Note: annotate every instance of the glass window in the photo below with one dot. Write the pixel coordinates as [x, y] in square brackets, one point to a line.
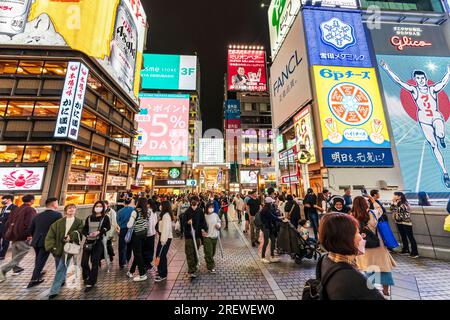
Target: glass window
[81, 158]
[91, 198]
[3, 104]
[46, 109]
[10, 154]
[97, 161]
[75, 198]
[102, 127]
[37, 154]
[88, 119]
[20, 108]
[8, 66]
[30, 67]
[114, 165]
[248, 107]
[123, 168]
[55, 68]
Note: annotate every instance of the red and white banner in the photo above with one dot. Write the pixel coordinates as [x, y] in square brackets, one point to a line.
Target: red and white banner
[247, 70]
[21, 179]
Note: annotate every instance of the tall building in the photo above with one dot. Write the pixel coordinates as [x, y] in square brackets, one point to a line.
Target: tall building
[66, 115]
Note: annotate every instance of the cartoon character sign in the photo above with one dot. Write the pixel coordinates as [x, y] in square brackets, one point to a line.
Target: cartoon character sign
[20, 179]
[417, 98]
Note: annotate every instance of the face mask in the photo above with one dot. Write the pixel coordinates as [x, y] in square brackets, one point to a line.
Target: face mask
[308, 225]
[4, 202]
[362, 247]
[210, 210]
[98, 210]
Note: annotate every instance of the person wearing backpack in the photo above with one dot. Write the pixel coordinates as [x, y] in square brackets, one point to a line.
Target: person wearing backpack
[95, 228]
[16, 231]
[139, 223]
[376, 262]
[337, 276]
[63, 231]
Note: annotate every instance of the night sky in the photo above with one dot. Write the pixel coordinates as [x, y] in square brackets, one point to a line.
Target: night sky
[206, 27]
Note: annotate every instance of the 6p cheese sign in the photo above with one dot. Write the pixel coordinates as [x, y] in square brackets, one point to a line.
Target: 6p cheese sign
[350, 107]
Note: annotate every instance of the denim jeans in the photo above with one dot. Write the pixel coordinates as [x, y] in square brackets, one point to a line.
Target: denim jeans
[124, 248]
[314, 219]
[61, 272]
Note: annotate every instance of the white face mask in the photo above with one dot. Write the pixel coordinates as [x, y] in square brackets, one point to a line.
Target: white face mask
[98, 210]
[210, 210]
[362, 247]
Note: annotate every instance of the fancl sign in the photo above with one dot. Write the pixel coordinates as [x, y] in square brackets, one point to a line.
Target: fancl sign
[282, 14]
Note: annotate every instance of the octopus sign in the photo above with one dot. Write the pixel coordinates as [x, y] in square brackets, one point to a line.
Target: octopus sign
[21, 179]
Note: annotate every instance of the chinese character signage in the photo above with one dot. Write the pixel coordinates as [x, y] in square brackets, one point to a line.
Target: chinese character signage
[352, 4]
[21, 179]
[163, 127]
[304, 132]
[72, 101]
[111, 32]
[410, 39]
[357, 157]
[290, 82]
[336, 38]
[417, 91]
[350, 107]
[232, 114]
[169, 72]
[282, 14]
[247, 70]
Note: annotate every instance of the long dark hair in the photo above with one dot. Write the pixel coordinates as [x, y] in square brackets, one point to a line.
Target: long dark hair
[95, 204]
[402, 198]
[423, 199]
[209, 205]
[142, 204]
[166, 208]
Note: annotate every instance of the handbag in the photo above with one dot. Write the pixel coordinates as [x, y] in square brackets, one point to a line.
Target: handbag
[88, 246]
[447, 224]
[386, 233]
[372, 240]
[73, 248]
[130, 231]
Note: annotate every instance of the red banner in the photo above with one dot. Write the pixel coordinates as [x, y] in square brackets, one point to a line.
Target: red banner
[247, 70]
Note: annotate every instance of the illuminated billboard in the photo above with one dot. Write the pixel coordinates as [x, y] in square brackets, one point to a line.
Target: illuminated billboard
[21, 179]
[169, 72]
[111, 31]
[247, 70]
[249, 177]
[212, 151]
[304, 132]
[163, 127]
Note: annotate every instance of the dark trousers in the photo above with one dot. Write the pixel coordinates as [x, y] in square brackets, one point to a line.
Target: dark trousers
[268, 235]
[148, 251]
[138, 260]
[239, 213]
[314, 219]
[124, 248]
[406, 232]
[41, 257]
[162, 251]
[221, 214]
[90, 273]
[4, 245]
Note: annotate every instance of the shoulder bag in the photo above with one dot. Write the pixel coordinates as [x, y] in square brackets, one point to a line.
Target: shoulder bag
[372, 240]
[72, 248]
[88, 246]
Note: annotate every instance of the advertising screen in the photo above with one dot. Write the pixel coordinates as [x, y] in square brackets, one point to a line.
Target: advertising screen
[247, 70]
[336, 38]
[163, 127]
[417, 91]
[169, 72]
[111, 31]
[249, 177]
[333, 3]
[211, 151]
[233, 114]
[350, 107]
[304, 133]
[290, 83]
[21, 179]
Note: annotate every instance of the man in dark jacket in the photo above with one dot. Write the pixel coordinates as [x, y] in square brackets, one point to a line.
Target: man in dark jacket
[39, 229]
[7, 207]
[17, 232]
[193, 218]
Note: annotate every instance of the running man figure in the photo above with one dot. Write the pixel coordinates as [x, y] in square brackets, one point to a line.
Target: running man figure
[430, 118]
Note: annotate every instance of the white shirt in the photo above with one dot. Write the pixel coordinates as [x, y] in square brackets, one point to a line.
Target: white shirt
[165, 228]
[69, 223]
[212, 221]
[152, 221]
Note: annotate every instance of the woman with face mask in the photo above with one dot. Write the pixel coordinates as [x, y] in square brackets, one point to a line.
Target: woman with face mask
[166, 218]
[95, 228]
[339, 235]
[210, 237]
[376, 262]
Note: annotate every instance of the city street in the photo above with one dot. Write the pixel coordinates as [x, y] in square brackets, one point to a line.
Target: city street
[240, 276]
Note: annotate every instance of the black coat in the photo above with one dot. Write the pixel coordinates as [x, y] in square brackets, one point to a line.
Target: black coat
[40, 225]
[270, 219]
[4, 215]
[295, 215]
[198, 222]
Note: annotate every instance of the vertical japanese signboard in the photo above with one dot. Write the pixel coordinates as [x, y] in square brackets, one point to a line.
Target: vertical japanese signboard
[72, 101]
[247, 70]
[232, 114]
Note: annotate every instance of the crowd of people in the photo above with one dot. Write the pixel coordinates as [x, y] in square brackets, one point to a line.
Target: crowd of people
[344, 226]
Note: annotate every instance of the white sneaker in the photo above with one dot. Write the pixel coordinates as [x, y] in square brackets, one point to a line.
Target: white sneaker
[140, 278]
[273, 259]
[264, 260]
[130, 275]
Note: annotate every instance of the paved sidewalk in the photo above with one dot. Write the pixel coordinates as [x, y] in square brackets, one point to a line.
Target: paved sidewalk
[240, 275]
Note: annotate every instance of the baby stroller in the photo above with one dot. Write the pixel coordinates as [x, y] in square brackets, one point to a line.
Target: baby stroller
[291, 242]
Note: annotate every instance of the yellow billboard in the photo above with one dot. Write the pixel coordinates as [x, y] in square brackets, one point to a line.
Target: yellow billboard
[350, 107]
[111, 31]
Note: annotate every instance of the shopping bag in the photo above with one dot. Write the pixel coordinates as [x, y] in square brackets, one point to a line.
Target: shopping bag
[447, 224]
[385, 231]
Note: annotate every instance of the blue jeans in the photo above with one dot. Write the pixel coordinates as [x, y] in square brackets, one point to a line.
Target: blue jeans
[124, 248]
[314, 219]
[60, 275]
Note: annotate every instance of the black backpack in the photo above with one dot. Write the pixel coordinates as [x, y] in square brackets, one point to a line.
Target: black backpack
[315, 288]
